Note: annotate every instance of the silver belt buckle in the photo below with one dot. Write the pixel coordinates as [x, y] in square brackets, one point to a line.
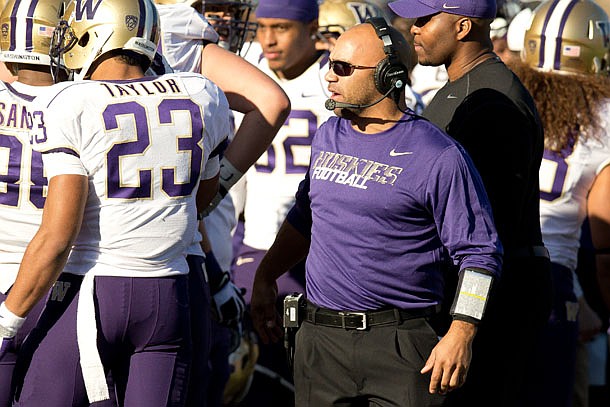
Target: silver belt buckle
[360, 314]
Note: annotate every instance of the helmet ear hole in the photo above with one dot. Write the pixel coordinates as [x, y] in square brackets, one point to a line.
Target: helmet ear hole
[84, 40]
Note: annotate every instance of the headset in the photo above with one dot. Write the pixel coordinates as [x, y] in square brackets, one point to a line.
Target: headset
[390, 74]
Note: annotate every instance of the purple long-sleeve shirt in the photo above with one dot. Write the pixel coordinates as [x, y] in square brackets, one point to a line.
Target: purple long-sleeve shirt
[385, 211]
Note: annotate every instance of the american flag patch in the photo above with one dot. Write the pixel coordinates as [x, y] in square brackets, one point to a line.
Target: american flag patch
[571, 51]
[46, 31]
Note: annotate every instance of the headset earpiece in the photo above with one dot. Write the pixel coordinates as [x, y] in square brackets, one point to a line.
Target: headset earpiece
[390, 72]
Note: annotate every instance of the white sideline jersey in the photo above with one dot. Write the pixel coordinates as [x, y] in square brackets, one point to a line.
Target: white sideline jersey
[183, 30]
[22, 180]
[273, 181]
[565, 181]
[144, 145]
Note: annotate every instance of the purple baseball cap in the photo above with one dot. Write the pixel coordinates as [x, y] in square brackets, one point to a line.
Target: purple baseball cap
[299, 10]
[422, 8]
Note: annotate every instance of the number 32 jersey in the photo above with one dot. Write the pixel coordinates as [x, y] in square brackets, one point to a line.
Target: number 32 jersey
[144, 145]
[272, 182]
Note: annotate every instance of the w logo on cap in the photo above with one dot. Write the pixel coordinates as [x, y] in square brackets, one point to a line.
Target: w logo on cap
[131, 22]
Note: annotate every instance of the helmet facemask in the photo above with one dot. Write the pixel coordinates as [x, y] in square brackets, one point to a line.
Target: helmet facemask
[231, 20]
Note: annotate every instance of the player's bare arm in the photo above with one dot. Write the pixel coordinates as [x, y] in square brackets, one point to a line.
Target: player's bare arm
[249, 91]
[48, 251]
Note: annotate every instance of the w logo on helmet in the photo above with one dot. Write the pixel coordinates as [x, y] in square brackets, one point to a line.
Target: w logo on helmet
[363, 11]
[86, 7]
[131, 22]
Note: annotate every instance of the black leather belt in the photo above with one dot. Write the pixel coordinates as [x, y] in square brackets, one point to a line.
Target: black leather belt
[364, 320]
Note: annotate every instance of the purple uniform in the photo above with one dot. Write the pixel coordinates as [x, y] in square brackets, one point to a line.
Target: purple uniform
[386, 212]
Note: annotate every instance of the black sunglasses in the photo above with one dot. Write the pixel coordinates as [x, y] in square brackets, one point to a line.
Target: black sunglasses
[342, 68]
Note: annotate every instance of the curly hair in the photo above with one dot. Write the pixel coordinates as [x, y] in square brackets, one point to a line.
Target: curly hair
[567, 104]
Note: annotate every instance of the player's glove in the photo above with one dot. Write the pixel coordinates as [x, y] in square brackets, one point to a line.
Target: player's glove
[229, 175]
[9, 325]
[228, 303]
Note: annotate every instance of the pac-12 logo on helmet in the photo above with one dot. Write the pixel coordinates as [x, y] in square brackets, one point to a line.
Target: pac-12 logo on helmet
[570, 36]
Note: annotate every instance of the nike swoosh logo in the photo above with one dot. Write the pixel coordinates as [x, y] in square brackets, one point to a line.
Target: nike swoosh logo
[306, 95]
[394, 153]
[243, 260]
[446, 7]
[451, 97]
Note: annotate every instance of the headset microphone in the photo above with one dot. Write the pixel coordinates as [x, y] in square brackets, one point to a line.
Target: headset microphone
[332, 104]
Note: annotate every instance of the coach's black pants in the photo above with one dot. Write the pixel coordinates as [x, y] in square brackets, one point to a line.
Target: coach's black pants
[376, 367]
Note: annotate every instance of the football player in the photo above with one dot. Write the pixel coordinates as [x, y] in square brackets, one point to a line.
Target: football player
[130, 165]
[565, 55]
[189, 44]
[27, 28]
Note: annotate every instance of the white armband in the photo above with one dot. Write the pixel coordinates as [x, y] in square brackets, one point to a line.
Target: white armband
[9, 321]
[471, 295]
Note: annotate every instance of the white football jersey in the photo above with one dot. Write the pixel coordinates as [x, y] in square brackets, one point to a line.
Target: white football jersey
[427, 80]
[22, 180]
[144, 145]
[565, 181]
[252, 52]
[183, 30]
[273, 181]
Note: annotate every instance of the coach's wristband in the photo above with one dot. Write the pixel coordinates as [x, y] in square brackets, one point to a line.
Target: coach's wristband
[9, 321]
[471, 295]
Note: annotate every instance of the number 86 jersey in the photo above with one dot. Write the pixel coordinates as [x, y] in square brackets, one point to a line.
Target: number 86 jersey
[144, 145]
[22, 180]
